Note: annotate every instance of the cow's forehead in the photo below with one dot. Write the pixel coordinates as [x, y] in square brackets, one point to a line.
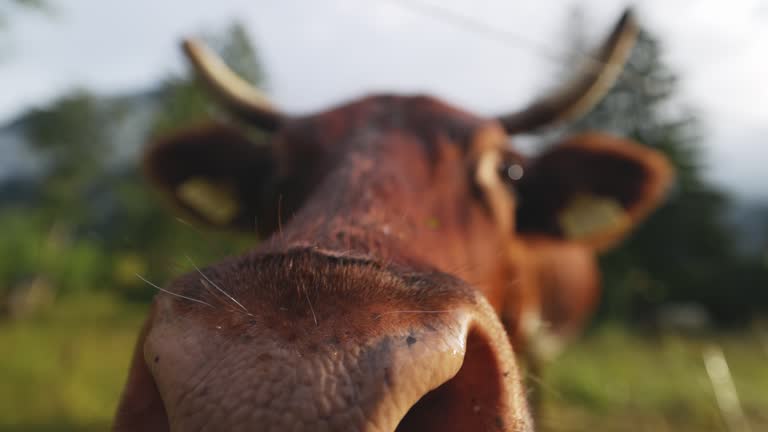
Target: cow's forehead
[428, 106]
[423, 116]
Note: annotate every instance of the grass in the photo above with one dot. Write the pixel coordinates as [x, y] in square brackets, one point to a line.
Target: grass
[63, 371]
[615, 380]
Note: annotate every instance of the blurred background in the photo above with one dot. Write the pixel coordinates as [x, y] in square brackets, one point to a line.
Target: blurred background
[680, 341]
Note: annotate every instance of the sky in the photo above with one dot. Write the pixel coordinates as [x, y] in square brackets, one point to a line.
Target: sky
[321, 53]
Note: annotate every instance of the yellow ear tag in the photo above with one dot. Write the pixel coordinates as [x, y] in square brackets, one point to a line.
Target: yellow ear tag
[215, 201]
[590, 216]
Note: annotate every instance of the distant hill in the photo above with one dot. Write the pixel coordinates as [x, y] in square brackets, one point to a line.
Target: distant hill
[18, 161]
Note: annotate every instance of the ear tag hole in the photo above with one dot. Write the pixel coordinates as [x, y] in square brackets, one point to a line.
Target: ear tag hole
[590, 215]
[216, 201]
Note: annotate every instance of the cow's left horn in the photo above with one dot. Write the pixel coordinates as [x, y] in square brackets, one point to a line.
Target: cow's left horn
[577, 96]
[240, 96]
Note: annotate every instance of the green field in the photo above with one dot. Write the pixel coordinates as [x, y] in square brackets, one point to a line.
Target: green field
[62, 370]
[617, 381]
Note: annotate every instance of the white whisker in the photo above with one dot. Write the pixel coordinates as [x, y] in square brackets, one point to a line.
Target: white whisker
[216, 286]
[310, 306]
[173, 293]
[210, 290]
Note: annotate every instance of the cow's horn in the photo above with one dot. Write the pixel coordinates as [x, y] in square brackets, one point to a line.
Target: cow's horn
[240, 96]
[586, 89]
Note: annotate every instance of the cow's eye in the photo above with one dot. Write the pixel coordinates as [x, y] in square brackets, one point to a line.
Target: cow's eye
[511, 172]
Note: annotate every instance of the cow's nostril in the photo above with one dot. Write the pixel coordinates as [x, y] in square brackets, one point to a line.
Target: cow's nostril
[470, 401]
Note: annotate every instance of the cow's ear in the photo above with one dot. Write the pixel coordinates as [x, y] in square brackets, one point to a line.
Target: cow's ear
[591, 188]
[214, 174]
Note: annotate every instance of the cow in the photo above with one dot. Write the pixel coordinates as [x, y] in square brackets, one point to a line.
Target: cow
[392, 283]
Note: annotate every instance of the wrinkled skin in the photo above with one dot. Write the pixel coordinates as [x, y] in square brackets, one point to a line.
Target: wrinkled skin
[376, 301]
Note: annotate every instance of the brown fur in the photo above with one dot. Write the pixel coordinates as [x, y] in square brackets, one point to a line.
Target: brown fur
[386, 246]
[568, 281]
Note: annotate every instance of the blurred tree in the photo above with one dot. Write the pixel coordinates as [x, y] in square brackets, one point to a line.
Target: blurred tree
[12, 7]
[108, 226]
[30, 3]
[73, 135]
[684, 250]
[240, 53]
[15, 5]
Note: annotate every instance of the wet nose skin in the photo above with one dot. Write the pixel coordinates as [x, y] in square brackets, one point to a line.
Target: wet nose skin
[446, 371]
[402, 354]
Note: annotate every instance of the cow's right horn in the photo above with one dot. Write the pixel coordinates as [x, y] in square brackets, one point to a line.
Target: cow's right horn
[238, 95]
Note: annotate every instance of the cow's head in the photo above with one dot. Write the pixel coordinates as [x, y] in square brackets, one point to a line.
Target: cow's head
[390, 250]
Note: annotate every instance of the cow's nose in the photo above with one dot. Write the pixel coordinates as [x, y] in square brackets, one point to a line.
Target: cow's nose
[475, 388]
[348, 348]
[408, 370]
